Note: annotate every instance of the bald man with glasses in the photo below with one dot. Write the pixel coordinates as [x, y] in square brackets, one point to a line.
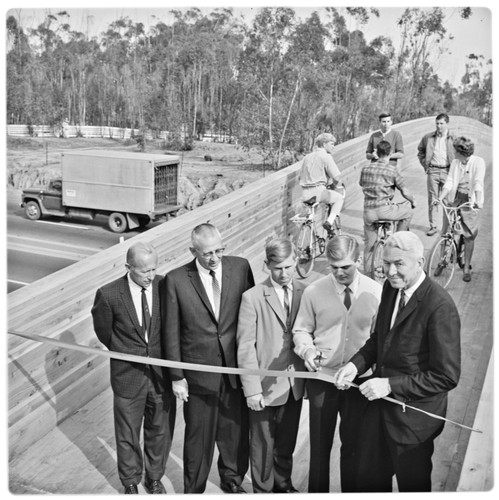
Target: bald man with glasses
[200, 305]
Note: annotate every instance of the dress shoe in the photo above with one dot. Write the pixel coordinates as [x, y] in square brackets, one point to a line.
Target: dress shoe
[154, 486]
[438, 270]
[131, 489]
[431, 231]
[232, 488]
[289, 489]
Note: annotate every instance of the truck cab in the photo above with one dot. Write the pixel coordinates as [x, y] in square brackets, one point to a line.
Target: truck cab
[43, 200]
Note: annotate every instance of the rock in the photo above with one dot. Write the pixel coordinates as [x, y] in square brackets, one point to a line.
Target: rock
[207, 183]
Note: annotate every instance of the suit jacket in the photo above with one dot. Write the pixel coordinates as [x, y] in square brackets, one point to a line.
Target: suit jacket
[118, 328]
[264, 341]
[420, 355]
[190, 330]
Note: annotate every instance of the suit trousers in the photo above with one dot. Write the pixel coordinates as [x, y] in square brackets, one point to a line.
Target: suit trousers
[273, 433]
[326, 403]
[157, 412]
[381, 457]
[215, 418]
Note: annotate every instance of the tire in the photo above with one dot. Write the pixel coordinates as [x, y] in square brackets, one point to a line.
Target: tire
[117, 222]
[443, 253]
[305, 249]
[32, 210]
[377, 269]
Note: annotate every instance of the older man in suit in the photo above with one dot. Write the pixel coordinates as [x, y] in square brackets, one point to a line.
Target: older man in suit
[416, 351]
[264, 341]
[201, 308]
[126, 316]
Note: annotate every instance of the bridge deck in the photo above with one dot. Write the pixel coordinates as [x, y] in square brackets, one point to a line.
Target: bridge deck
[79, 455]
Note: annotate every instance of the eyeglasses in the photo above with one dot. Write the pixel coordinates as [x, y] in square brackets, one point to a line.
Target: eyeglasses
[208, 255]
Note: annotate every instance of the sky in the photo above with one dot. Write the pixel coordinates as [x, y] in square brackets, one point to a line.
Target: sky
[469, 36]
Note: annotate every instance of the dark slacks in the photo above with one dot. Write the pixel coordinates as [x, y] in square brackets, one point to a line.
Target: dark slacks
[156, 411]
[215, 418]
[326, 403]
[273, 432]
[381, 457]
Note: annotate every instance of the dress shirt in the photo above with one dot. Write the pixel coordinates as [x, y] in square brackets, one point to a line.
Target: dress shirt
[136, 291]
[280, 292]
[324, 323]
[408, 294]
[439, 156]
[207, 281]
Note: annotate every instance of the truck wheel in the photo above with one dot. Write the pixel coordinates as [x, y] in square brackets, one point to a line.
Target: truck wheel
[117, 223]
[32, 210]
[143, 220]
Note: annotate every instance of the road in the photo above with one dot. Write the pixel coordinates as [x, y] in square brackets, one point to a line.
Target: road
[38, 248]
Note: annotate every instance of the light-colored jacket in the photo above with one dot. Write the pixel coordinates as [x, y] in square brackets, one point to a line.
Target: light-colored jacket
[264, 341]
[476, 169]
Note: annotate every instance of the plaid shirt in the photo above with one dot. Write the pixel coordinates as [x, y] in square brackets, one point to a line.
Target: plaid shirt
[378, 181]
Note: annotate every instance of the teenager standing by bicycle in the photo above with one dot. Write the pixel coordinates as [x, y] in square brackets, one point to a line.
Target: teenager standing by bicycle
[317, 172]
[465, 184]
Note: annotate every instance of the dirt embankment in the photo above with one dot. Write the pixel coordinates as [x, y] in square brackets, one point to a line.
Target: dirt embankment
[207, 172]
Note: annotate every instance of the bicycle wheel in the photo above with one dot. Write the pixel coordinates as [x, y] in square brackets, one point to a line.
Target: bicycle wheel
[305, 249]
[377, 269]
[442, 262]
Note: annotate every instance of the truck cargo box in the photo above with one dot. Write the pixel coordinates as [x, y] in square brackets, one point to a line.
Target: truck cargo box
[120, 181]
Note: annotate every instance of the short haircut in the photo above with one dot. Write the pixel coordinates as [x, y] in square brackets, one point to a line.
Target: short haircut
[278, 250]
[442, 116]
[202, 230]
[321, 139]
[341, 247]
[464, 146]
[141, 247]
[406, 241]
[384, 148]
[384, 115]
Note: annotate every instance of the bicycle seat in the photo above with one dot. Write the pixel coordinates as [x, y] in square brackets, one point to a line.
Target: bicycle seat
[311, 201]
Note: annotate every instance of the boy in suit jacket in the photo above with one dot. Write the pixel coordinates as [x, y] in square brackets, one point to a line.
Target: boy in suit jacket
[416, 349]
[264, 341]
[126, 317]
[201, 304]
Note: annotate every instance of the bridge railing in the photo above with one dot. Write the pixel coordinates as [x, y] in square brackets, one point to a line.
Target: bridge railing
[47, 384]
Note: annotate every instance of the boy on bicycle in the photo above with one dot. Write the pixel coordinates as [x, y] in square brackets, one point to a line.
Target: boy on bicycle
[378, 180]
[318, 171]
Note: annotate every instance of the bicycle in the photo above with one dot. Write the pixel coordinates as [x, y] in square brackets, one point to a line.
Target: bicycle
[384, 229]
[310, 243]
[448, 249]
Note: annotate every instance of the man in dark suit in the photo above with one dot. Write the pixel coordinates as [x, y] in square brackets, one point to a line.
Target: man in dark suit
[416, 349]
[264, 341]
[201, 307]
[126, 316]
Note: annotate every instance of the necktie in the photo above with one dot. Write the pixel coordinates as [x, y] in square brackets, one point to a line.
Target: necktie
[348, 298]
[146, 315]
[286, 300]
[216, 293]
[401, 302]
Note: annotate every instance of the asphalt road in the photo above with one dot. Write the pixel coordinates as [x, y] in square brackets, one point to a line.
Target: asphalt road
[36, 249]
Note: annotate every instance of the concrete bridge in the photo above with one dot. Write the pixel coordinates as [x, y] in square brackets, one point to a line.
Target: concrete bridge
[60, 404]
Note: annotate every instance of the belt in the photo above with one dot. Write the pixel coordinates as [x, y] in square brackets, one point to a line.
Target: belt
[439, 166]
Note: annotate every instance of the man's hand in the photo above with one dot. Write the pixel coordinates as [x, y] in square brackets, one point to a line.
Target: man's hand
[375, 388]
[181, 389]
[344, 375]
[313, 359]
[256, 402]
